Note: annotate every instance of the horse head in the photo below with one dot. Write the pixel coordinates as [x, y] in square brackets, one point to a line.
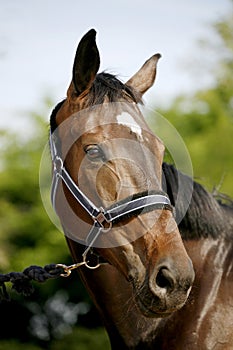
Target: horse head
[112, 159]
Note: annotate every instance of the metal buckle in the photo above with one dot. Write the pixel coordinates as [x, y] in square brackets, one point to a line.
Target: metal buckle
[57, 165]
[101, 219]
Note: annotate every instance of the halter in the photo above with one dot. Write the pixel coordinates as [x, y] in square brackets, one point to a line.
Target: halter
[103, 218]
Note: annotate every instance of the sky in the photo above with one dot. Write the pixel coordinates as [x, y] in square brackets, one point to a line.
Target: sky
[39, 39]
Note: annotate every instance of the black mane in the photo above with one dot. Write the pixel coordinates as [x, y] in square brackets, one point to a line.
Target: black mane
[108, 85]
[53, 123]
[206, 216]
[104, 86]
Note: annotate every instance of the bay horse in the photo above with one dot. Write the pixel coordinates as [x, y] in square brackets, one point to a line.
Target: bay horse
[114, 207]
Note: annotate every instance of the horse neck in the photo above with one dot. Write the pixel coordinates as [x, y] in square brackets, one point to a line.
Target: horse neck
[208, 313]
[205, 216]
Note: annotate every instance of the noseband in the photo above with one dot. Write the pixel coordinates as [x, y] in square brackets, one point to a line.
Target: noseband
[103, 218]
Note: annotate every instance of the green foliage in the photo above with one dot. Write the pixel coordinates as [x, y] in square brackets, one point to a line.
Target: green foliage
[83, 339]
[205, 120]
[26, 234]
[80, 339]
[15, 345]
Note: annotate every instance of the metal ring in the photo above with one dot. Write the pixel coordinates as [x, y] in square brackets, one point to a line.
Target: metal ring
[68, 269]
[89, 266]
[107, 228]
[92, 267]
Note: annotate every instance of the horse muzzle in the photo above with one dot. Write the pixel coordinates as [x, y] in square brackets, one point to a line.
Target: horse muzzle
[165, 290]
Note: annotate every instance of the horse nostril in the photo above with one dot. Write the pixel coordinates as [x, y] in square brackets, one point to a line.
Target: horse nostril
[164, 279]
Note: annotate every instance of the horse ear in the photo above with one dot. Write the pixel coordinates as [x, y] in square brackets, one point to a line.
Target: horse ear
[86, 62]
[145, 77]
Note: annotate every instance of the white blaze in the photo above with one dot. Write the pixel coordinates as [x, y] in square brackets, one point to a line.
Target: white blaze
[126, 119]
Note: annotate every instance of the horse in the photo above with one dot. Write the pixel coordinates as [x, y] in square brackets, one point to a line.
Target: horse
[109, 194]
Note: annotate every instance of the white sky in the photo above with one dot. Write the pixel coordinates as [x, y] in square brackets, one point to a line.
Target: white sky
[39, 38]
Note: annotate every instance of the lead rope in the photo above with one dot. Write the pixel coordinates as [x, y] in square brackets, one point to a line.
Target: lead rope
[21, 281]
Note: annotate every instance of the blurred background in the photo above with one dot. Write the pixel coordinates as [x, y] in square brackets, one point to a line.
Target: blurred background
[193, 90]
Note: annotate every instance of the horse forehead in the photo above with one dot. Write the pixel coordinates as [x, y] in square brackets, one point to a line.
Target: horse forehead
[109, 122]
[104, 118]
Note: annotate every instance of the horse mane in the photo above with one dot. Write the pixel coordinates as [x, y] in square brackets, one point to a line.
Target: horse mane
[105, 85]
[108, 85]
[206, 216]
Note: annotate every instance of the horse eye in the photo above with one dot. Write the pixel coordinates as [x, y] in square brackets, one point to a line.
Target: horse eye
[94, 152]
